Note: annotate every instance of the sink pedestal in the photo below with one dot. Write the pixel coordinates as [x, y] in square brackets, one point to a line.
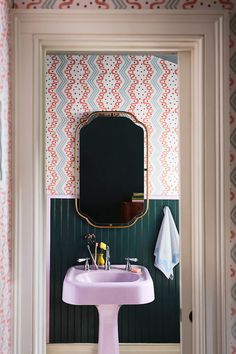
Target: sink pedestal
[108, 340]
[108, 291]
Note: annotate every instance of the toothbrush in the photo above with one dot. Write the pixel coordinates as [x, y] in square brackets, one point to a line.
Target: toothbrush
[94, 262]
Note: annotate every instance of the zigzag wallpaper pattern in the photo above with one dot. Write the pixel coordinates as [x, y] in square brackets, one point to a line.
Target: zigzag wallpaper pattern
[143, 85]
[5, 209]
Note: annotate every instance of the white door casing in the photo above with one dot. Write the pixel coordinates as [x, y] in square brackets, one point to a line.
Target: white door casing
[201, 40]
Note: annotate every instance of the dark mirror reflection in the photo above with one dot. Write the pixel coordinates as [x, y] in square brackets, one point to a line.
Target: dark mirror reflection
[111, 170]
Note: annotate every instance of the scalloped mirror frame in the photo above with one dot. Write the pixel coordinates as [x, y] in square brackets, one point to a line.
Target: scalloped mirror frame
[85, 121]
[201, 41]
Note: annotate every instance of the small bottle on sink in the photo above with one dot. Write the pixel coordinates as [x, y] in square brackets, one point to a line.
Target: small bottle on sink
[101, 260]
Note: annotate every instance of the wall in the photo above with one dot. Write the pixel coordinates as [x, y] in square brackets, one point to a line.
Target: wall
[77, 85]
[228, 5]
[5, 184]
[157, 322]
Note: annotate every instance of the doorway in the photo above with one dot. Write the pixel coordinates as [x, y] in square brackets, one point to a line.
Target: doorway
[203, 204]
[146, 86]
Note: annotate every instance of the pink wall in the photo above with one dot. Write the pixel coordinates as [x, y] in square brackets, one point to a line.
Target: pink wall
[5, 184]
[5, 205]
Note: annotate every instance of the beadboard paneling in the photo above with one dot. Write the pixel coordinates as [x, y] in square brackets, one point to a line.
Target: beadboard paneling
[157, 322]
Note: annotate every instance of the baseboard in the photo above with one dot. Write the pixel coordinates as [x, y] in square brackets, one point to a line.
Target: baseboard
[124, 348]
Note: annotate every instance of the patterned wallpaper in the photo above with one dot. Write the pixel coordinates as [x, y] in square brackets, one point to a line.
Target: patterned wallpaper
[146, 86]
[5, 183]
[228, 5]
[124, 4]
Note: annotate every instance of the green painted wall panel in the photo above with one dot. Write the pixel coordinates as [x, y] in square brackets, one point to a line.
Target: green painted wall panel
[157, 322]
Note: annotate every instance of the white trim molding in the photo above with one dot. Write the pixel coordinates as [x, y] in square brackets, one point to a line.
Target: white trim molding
[124, 348]
[201, 41]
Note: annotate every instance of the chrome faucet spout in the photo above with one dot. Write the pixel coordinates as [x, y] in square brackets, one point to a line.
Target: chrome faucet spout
[107, 262]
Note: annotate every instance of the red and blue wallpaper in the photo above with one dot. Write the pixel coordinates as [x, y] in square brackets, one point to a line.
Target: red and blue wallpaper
[5, 183]
[124, 4]
[147, 86]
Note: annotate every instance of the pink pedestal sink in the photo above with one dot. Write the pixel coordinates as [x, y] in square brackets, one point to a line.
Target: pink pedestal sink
[107, 290]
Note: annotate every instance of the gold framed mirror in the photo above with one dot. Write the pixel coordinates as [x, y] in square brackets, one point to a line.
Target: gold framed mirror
[111, 169]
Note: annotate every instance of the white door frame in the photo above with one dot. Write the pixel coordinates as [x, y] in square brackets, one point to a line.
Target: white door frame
[201, 39]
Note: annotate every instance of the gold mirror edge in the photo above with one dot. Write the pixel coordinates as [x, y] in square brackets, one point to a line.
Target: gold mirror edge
[111, 226]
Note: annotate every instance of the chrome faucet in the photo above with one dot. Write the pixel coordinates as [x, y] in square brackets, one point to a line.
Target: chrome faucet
[128, 264]
[86, 264]
[107, 261]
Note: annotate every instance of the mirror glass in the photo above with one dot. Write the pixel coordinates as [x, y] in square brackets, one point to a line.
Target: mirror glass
[111, 165]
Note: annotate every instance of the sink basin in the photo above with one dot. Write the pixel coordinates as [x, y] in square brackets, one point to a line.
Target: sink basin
[113, 276]
[107, 290]
[114, 286]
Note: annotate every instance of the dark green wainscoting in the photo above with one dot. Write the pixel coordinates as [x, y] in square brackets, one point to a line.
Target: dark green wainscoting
[157, 322]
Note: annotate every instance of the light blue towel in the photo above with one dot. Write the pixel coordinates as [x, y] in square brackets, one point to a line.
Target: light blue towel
[167, 246]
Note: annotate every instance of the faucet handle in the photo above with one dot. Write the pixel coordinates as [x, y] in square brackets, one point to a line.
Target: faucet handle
[132, 259]
[128, 260]
[86, 260]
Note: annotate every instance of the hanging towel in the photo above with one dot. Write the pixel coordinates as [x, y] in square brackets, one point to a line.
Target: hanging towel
[167, 246]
